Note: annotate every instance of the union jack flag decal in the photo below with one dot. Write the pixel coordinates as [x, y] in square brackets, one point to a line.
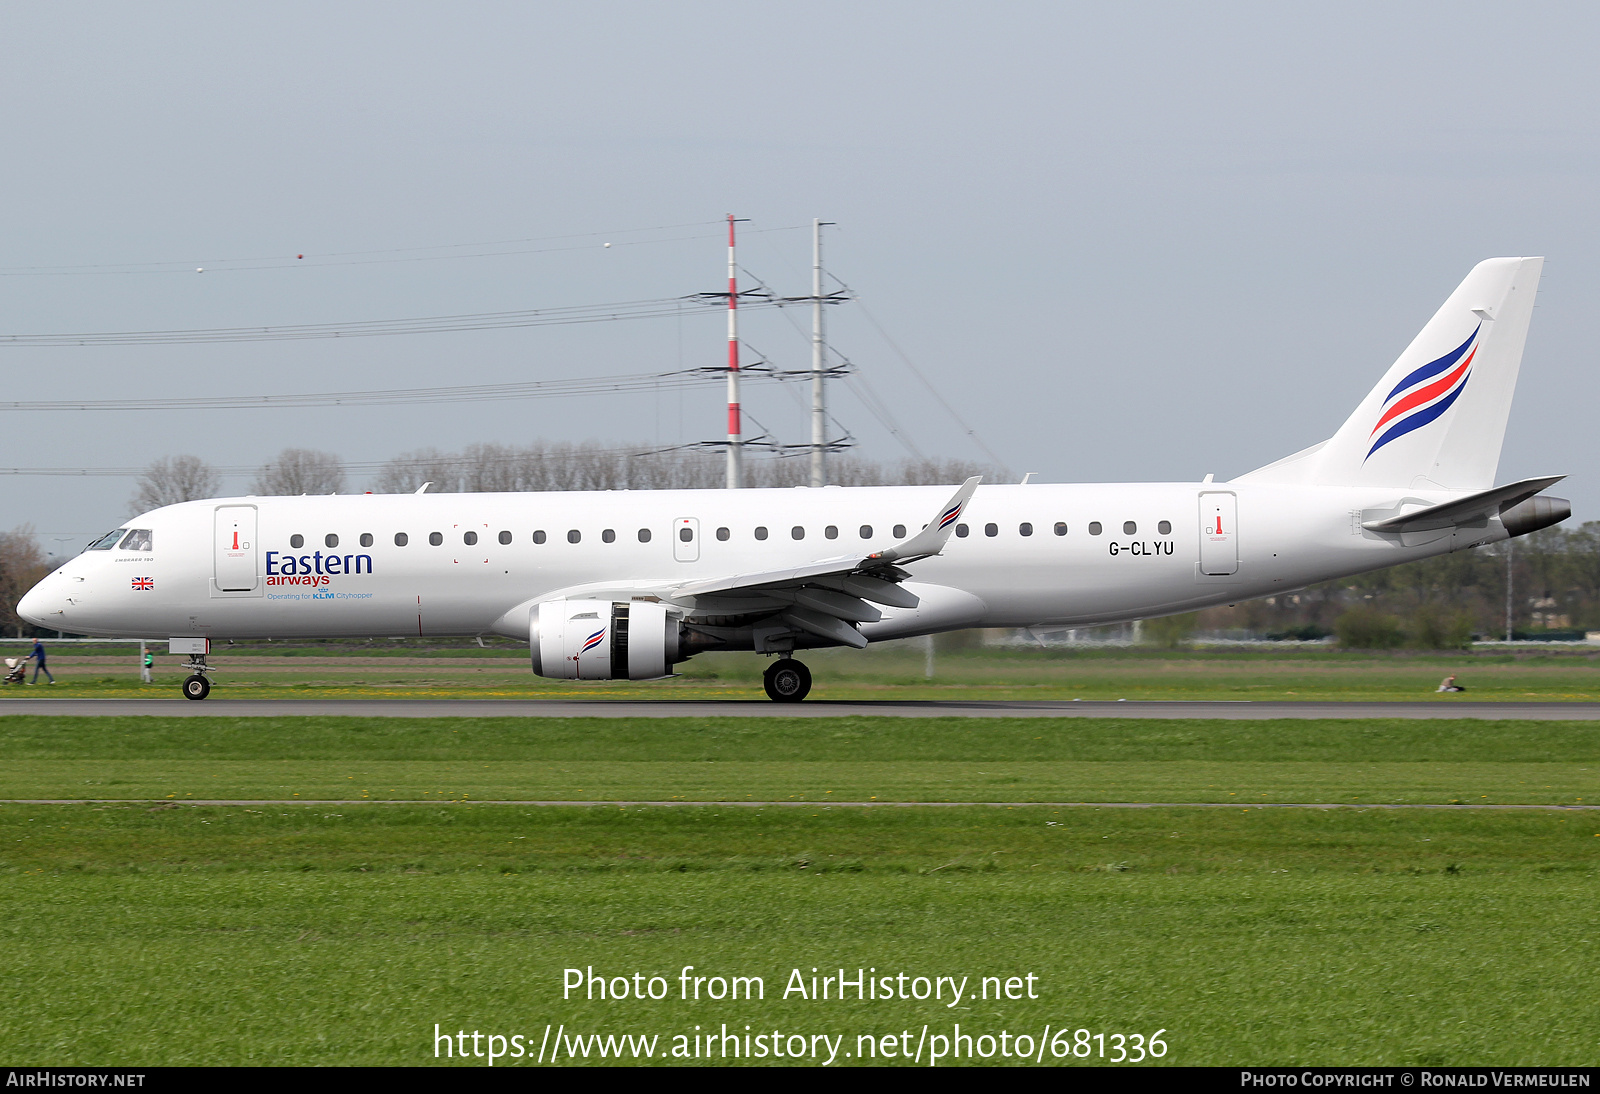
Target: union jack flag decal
[143, 584]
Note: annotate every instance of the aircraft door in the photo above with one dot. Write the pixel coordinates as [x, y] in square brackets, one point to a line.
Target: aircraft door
[235, 552]
[1219, 533]
[686, 539]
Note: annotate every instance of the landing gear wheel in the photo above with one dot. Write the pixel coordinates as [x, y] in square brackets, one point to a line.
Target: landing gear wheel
[196, 687]
[786, 681]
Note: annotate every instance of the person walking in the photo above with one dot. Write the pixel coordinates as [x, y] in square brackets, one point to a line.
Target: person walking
[148, 660]
[37, 657]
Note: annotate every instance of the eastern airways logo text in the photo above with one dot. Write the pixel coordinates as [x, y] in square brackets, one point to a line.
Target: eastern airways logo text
[313, 569]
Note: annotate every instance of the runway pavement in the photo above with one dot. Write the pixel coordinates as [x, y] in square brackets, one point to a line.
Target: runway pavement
[651, 708]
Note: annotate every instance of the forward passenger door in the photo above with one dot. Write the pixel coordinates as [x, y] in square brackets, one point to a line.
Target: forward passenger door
[235, 554]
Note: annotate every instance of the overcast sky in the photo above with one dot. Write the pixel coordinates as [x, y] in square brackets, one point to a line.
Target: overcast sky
[1125, 241]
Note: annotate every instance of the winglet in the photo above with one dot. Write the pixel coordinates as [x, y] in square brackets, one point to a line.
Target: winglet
[931, 540]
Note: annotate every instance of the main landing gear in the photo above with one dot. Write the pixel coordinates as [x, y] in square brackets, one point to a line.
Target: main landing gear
[197, 686]
[786, 681]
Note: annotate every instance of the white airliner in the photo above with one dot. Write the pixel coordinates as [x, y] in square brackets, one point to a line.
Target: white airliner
[623, 585]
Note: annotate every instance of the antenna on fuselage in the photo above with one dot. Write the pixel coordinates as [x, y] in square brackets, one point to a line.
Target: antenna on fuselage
[423, 489]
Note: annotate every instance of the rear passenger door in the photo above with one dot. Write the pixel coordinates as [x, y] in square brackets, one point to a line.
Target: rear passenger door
[1219, 533]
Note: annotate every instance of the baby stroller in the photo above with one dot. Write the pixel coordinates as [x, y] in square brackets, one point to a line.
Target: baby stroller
[16, 669]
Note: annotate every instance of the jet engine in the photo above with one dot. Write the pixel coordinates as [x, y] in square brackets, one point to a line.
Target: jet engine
[602, 639]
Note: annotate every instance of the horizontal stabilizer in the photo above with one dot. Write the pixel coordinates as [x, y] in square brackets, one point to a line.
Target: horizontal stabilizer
[1467, 510]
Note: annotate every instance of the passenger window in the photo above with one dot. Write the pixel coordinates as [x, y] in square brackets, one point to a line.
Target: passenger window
[539, 536]
[1094, 528]
[435, 538]
[723, 534]
[330, 540]
[608, 536]
[866, 531]
[962, 530]
[505, 537]
[991, 530]
[761, 533]
[899, 531]
[469, 538]
[107, 541]
[366, 539]
[401, 539]
[831, 531]
[1024, 529]
[297, 541]
[138, 540]
[797, 532]
[1061, 527]
[644, 535]
[686, 534]
[1129, 528]
[1165, 527]
[574, 536]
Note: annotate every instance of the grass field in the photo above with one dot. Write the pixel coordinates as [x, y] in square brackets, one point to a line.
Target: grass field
[892, 671]
[842, 759]
[168, 933]
[299, 934]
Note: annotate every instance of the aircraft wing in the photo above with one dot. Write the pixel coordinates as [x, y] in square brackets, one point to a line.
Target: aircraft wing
[828, 597]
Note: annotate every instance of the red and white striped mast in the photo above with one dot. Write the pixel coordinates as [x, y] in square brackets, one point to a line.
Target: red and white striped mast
[735, 428]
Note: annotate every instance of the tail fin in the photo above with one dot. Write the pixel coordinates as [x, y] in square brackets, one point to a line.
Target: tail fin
[1438, 416]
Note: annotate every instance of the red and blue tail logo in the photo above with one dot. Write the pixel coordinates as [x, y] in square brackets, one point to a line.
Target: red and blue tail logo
[1426, 394]
[949, 515]
[592, 641]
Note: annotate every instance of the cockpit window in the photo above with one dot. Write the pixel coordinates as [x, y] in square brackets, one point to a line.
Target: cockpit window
[107, 541]
[138, 540]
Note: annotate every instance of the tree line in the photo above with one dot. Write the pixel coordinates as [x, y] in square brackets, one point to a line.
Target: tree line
[1540, 586]
[482, 468]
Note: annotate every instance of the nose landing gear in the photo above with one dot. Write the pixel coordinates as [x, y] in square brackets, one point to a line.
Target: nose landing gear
[196, 686]
[786, 681]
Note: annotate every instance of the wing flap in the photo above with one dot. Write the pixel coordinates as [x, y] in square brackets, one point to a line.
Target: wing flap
[825, 626]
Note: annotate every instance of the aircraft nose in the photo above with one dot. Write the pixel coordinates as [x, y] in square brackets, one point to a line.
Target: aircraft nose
[37, 602]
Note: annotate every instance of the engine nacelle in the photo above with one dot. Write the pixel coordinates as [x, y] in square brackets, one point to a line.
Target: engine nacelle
[602, 639]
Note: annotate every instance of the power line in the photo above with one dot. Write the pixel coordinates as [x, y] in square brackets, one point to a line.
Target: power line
[915, 371]
[466, 393]
[376, 256]
[453, 461]
[505, 320]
